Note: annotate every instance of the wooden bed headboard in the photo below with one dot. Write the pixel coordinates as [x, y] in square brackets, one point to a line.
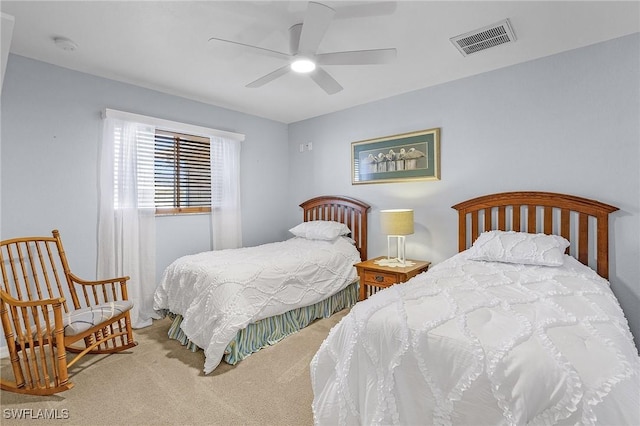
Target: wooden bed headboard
[349, 211]
[584, 222]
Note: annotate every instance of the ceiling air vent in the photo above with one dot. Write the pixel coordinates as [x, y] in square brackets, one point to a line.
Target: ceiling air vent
[484, 38]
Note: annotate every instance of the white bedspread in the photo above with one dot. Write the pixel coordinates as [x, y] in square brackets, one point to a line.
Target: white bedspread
[481, 343]
[220, 292]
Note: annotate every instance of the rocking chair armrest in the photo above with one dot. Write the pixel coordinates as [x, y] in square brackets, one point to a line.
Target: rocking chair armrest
[108, 282]
[10, 300]
[78, 280]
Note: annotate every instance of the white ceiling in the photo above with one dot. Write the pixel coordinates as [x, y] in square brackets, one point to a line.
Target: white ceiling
[163, 45]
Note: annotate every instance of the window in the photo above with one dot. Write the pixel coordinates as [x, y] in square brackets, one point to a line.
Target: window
[171, 167]
[182, 173]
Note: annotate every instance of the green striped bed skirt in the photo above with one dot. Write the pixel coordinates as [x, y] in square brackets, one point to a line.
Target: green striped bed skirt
[271, 330]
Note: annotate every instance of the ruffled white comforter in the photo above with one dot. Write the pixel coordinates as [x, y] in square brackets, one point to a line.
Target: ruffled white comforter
[220, 292]
[482, 343]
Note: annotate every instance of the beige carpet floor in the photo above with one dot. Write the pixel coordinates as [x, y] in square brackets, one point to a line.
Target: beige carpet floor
[160, 382]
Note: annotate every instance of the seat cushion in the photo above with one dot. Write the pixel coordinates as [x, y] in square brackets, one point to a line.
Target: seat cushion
[76, 322]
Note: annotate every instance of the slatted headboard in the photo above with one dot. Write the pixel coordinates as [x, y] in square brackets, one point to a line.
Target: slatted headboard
[349, 211]
[584, 222]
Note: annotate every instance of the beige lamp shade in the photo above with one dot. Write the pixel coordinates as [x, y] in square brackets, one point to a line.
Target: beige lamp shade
[396, 221]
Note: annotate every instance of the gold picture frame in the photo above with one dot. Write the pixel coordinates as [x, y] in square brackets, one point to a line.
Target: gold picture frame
[404, 157]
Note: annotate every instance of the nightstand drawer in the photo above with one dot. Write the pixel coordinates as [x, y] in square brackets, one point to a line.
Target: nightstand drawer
[375, 277]
[380, 278]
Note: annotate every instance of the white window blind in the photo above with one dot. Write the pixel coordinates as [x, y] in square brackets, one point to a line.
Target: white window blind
[133, 183]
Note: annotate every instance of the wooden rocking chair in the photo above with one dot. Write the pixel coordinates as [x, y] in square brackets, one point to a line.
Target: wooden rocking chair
[40, 327]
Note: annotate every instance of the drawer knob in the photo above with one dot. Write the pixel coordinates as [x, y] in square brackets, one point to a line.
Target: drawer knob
[379, 278]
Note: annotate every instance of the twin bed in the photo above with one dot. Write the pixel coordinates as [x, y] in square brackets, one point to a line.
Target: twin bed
[512, 330]
[516, 328]
[232, 303]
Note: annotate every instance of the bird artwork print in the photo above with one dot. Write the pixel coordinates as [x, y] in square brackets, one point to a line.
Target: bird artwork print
[404, 159]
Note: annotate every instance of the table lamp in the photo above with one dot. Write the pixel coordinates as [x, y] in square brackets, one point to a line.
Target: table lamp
[396, 223]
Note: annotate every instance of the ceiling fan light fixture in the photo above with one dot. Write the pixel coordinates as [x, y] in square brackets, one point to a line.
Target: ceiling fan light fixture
[303, 65]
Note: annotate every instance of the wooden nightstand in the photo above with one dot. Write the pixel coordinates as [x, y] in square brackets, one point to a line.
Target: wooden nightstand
[375, 277]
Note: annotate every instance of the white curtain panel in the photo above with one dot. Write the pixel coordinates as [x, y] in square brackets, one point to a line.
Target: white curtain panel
[226, 218]
[126, 226]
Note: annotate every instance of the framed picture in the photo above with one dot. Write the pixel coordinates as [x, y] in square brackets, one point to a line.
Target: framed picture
[405, 157]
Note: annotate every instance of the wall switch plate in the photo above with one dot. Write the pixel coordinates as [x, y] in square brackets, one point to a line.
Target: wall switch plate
[309, 146]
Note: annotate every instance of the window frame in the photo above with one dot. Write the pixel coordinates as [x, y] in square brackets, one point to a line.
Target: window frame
[177, 127]
[176, 210]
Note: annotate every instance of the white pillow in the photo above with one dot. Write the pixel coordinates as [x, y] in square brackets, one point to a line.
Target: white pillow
[320, 230]
[519, 247]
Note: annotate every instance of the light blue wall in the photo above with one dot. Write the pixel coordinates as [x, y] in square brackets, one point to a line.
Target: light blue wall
[566, 123]
[51, 131]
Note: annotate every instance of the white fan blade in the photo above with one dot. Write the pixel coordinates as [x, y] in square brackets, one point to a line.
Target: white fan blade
[315, 25]
[358, 57]
[325, 81]
[270, 77]
[366, 10]
[269, 52]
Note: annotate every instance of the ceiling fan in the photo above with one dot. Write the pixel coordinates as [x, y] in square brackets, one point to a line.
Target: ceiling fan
[304, 40]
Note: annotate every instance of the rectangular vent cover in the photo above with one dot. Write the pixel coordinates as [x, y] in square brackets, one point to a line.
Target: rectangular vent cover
[484, 38]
